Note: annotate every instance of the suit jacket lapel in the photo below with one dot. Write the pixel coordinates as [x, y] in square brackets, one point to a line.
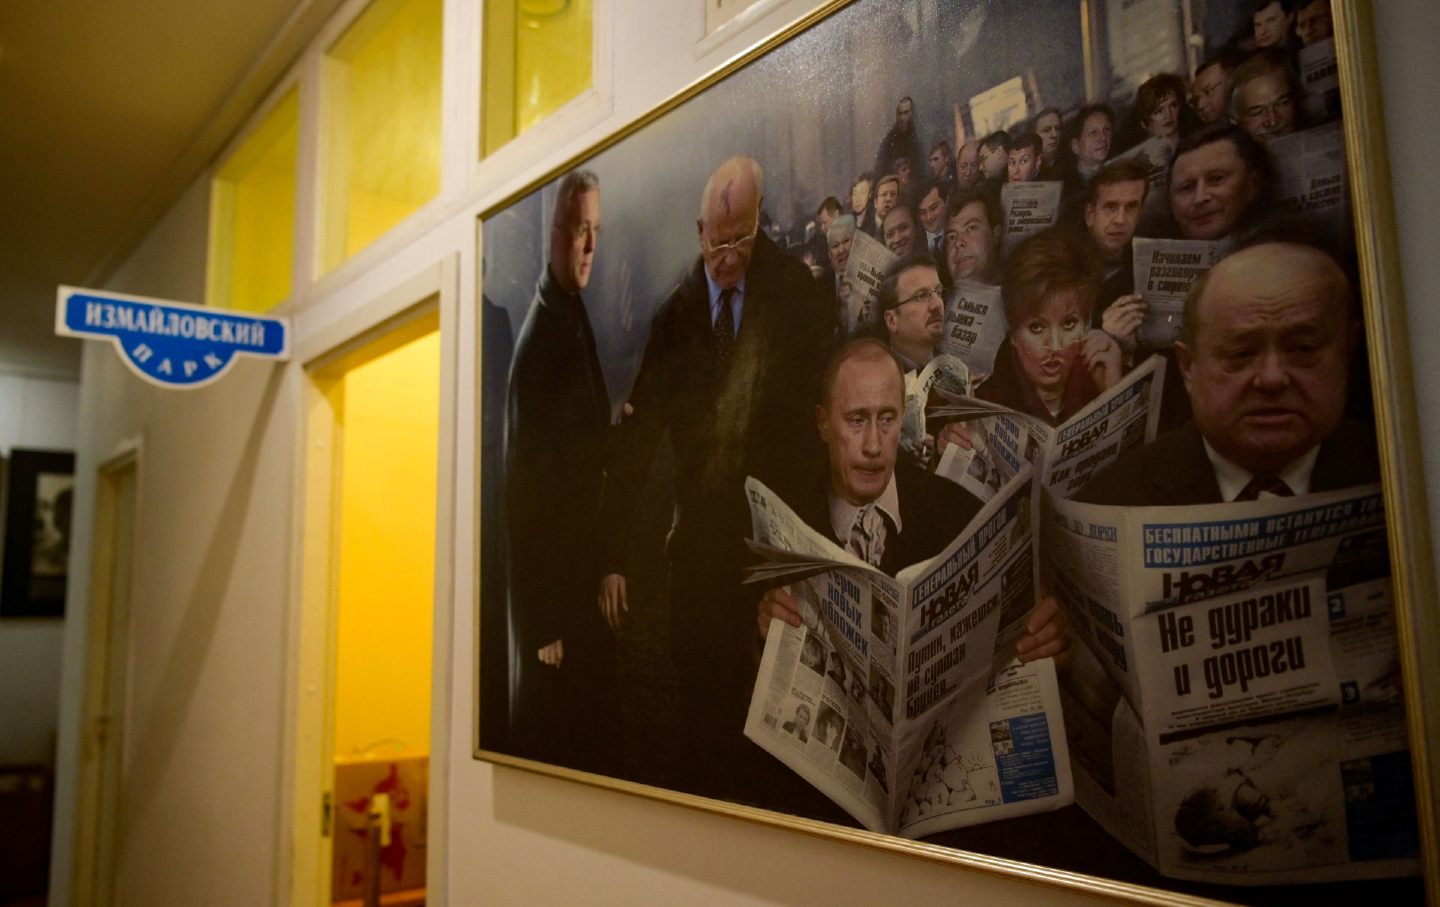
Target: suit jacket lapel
[1189, 477]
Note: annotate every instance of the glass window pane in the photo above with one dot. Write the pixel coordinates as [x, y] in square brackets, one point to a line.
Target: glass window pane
[537, 57]
[252, 204]
[382, 135]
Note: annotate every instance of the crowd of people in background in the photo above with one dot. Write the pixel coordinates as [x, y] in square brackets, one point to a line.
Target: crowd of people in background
[1206, 134]
[749, 358]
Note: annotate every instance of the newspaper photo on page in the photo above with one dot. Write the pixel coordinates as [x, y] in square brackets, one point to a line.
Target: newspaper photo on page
[900, 697]
[1234, 710]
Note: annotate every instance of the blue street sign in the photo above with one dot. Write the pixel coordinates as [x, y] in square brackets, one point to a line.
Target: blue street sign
[171, 344]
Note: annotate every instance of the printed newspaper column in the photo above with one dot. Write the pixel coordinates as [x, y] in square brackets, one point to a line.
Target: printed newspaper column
[958, 761]
[1267, 767]
[861, 282]
[974, 326]
[935, 724]
[1313, 185]
[1320, 80]
[1027, 209]
[1165, 269]
[825, 692]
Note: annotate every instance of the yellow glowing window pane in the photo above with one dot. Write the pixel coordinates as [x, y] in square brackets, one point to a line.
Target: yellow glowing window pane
[537, 57]
[388, 410]
[382, 135]
[252, 215]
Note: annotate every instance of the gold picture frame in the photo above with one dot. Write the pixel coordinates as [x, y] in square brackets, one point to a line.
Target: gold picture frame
[505, 289]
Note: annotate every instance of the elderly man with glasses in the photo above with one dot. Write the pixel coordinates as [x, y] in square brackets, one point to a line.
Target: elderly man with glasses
[729, 372]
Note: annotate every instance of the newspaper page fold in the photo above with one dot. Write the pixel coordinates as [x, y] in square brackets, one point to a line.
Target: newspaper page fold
[1249, 654]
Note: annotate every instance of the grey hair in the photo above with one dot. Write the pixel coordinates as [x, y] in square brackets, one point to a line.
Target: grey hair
[844, 222]
[573, 183]
[1263, 62]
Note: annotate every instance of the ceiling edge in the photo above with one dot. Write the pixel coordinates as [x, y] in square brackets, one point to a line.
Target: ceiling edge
[272, 64]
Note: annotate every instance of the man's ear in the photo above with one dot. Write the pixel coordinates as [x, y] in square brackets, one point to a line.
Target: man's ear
[1186, 360]
[891, 320]
[1075, 147]
[822, 423]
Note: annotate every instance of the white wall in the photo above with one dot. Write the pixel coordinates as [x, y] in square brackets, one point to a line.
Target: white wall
[37, 413]
[202, 722]
[1410, 33]
[213, 576]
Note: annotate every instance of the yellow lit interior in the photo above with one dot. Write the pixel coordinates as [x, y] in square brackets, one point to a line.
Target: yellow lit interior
[252, 215]
[382, 161]
[537, 57]
[387, 408]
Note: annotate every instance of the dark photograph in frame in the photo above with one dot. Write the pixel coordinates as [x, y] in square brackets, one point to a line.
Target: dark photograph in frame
[38, 512]
[1017, 221]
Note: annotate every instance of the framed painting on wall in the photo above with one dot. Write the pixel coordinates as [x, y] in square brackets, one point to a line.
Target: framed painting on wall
[38, 513]
[1101, 583]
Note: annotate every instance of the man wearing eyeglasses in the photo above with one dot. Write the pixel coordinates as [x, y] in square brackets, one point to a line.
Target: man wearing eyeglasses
[731, 365]
[913, 310]
[1265, 99]
[911, 303]
[557, 421]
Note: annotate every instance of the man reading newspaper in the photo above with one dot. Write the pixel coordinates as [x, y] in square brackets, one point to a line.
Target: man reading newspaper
[1235, 609]
[1268, 335]
[923, 719]
[862, 508]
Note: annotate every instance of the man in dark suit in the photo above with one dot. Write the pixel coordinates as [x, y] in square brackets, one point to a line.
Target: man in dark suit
[834, 292]
[729, 370]
[901, 141]
[881, 508]
[1268, 337]
[557, 421]
[1220, 182]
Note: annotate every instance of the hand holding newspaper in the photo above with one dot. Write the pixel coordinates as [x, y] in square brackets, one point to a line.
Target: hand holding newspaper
[900, 697]
[1232, 708]
[1002, 440]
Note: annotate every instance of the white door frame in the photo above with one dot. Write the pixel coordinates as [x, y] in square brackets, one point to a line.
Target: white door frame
[105, 700]
[304, 879]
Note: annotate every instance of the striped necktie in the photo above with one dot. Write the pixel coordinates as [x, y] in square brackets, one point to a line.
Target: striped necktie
[867, 535]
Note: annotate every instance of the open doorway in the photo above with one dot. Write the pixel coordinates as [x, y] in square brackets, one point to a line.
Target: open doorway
[368, 615]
